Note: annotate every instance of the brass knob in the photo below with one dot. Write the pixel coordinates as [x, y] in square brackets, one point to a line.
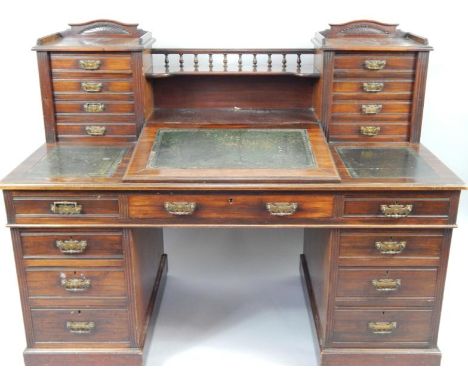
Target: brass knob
[180, 208]
[281, 208]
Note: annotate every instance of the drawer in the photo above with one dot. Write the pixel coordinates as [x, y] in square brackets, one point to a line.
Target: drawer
[93, 97]
[375, 62]
[71, 244]
[358, 87]
[392, 247]
[231, 208]
[64, 207]
[96, 131]
[386, 286]
[371, 108]
[366, 75]
[370, 119]
[353, 131]
[80, 327]
[91, 62]
[94, 107]
[91, 86]
[382, 328]
[398, 208]
[73, 283]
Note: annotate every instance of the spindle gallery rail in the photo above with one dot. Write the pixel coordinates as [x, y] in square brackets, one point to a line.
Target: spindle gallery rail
[167, 62]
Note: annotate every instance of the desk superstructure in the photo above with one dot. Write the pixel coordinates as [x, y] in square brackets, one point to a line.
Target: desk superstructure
[141, 138]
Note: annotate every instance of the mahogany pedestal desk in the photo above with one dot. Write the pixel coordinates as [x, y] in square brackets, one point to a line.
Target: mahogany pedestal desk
[140, 138]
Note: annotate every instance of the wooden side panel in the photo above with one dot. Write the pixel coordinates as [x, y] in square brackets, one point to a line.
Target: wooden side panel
[48, 108]
[418, 96]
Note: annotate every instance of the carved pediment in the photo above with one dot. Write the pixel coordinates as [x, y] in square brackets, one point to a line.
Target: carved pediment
[367, 28]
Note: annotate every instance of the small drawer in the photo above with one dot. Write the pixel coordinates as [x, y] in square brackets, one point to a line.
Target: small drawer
[71, 244]
[370, 119]
[95, 118]
[93, 131]
[367, 75]
[375, 63]
[237, 208]
[397, 208]
[80, 327]
[357, 88]
[392, 247]
[371, 108]
[46, 283]
[382, 328]
[91, 62]
[386, 286]
[91, 86]
[64, 207]
[94, 107]
[371, 131]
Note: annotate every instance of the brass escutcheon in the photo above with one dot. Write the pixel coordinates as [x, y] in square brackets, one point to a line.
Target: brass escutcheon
[370, 131]
[375, 64]
[396, 210]
[71, 246]
[382, 327]
[180, 208]
[66, 208]
[372, 87]
[91, 87]
[281, 208]
[95, 130]
[386, 285]
[90, 64]
[390, 247]
[80, 327]
[371, 108]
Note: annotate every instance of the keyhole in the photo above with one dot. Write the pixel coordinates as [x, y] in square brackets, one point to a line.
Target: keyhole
[230, 201]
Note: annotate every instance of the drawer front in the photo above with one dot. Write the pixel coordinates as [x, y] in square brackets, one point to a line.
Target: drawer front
[64, 207]
[95, 131]
[392, 247]
[73, 283]
[370, 119]
[397, 208]
[371, 131]
[80, 327]
[260, 209]
[91, 86]
[386, 286]
[94, 107]
[359, 88]
[91, 62]
[371, 108]
[71, 245]
[376, 63]
[382, 328]
[95, 118]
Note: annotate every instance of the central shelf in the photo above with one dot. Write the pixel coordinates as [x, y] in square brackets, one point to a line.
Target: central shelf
[231, 116]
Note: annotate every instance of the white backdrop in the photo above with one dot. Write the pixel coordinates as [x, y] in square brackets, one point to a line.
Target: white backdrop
[256, 333]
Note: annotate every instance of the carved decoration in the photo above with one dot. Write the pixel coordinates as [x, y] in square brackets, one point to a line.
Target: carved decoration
[362, 28]
[105, 28]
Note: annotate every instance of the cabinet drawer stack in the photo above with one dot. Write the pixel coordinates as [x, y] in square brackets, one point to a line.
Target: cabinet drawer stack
[372, 96]
[75, 287]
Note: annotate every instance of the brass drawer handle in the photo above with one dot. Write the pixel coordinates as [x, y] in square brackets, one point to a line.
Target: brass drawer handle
[281, 208]
[95, 130]
[180, 208]
[71, 247]
[382, 327]
[66, 208]
[375, 64]
[91, 87]
[76, 284]
[90, 64]
[390, 247]
[94, 107]
[386, 285]
[396, 210]
[370, 131]
[373, 87]
[80, 327]
[371, 108]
